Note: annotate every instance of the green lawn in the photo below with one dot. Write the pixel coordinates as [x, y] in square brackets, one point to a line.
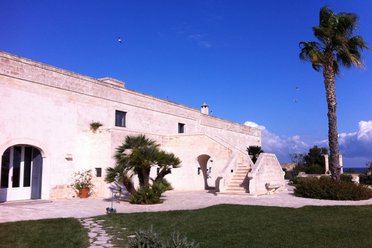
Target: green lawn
[54, 233]
[255, 226]
[219, 226]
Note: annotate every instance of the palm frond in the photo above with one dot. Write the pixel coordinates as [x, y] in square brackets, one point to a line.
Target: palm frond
[346, 23]
[324, 16]
[334, 34]
[312, 51]
[357, 43]
[166, 159]
[322, 34]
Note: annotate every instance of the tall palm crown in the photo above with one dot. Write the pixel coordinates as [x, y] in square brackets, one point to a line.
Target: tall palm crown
[336, 42]
[336, 47]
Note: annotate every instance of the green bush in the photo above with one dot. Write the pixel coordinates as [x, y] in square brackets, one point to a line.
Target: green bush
[314, 169]
[150, 194]
[149, 239]
[326, 188]
[346, 178]
[145, 195]
[289, 175]
[365, 179]
[145, 239]
[160, 186]
[180, 241]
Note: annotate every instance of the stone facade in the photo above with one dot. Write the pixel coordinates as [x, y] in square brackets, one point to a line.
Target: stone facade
[51, 109]
[266, 176]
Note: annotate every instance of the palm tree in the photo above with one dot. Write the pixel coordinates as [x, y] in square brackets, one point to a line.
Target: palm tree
[254, 152]
[336, 47]
[136, 156]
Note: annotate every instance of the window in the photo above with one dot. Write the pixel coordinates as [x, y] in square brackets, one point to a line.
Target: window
[98, 172]
[120, 118]
[181, 128]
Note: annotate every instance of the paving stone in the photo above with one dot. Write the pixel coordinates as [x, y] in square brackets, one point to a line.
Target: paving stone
[92, 234]
[96, 229]
[100, 238]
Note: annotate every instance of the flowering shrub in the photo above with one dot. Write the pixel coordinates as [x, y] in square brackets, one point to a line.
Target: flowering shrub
[82, 179]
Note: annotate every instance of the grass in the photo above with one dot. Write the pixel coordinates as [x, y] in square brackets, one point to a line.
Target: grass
[54, 233]
[217, 226]
[254, 226]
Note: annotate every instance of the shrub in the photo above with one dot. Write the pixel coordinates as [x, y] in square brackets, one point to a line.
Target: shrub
[150, 194]
[160, 186]
[346, 178]
[326, 188]
[365, 178]
[289, 175]
[314, 169]
[180, 241]
[149, 239]
[145, 239]
[145, 195]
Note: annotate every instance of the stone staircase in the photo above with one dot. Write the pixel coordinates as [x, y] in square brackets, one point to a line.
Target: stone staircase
[238, 184]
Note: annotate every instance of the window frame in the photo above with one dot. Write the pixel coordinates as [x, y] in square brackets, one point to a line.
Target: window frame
[181, 127]
[122, 122]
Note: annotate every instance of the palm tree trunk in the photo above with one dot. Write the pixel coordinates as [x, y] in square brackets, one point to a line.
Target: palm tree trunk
[129, 185]
[162, 174]
[146, 176]
[329, 83]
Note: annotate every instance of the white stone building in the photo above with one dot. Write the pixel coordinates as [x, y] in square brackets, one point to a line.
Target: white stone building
[45, 133]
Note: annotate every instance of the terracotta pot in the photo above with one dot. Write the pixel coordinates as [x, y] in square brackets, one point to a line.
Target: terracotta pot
[84, 193]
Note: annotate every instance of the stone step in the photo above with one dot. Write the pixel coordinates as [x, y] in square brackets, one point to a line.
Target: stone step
[237, 183]
[235, 190]
[238, 177]
[236, 186]
[241, 173]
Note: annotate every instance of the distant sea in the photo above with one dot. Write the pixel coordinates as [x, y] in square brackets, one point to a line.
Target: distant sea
[357, 169]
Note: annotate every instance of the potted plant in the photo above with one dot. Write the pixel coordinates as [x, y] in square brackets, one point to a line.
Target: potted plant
[82, 183]
[95, 125]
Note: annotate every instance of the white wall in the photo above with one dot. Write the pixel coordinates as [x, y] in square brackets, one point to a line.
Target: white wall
[52, 108]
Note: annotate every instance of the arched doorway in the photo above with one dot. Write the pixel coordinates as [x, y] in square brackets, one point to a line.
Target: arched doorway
[21, 173]
[206, 169]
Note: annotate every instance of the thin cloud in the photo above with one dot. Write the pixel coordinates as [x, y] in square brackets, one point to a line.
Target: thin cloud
[356, 147]
[200, 40]
[280, 145]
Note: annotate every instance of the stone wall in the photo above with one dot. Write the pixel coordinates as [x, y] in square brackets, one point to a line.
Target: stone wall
[266, 174]
[52, 109]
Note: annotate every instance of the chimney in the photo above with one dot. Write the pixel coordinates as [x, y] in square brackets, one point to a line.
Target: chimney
[204, 109]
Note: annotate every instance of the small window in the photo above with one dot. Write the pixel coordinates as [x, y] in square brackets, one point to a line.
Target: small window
[98, 172]
[181, 128]
[120, 118]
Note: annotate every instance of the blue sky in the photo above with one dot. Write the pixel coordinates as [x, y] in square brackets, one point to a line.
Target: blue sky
[241, 57]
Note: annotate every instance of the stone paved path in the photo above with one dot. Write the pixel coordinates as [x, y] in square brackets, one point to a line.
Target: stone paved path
[98, 238]
[173, 200]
